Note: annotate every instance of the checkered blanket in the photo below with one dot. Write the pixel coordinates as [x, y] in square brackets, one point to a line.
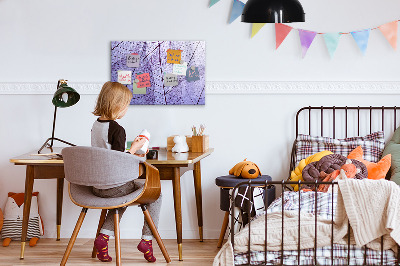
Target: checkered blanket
[324, 206]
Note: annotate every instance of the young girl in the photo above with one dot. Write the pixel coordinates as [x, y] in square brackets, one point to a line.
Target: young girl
[112, 104]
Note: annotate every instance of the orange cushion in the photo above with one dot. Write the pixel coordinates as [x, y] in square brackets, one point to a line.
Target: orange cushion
[375, 170]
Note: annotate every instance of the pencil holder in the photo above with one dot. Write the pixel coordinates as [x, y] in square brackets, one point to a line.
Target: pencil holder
[200, 143]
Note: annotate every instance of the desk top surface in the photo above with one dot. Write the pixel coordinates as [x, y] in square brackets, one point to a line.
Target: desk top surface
[164, 157]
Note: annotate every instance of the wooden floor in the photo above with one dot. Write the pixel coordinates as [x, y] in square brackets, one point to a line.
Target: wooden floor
[50, 252]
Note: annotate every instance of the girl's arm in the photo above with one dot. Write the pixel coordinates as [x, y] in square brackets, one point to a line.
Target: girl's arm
[136, 145]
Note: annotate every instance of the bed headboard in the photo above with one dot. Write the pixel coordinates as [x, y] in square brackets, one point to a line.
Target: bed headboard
[344, 121]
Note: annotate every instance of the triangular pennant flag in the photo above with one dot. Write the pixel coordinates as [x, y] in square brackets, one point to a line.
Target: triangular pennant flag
[237, 9]
[361, 37]
[256, 27]
[390, 32]
[332, 41]
[213, 2]
[306, 39]
[281, 31]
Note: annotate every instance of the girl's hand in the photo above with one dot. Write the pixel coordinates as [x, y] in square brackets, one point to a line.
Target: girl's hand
[137, 144]
[143, 155]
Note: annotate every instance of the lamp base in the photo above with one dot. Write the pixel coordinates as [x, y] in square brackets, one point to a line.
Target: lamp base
[50, 146]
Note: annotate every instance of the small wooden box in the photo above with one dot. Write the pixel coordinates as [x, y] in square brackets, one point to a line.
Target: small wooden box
[171, 143]
[200, 143]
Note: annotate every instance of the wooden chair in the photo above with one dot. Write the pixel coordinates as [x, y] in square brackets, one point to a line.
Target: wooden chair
[85, 167]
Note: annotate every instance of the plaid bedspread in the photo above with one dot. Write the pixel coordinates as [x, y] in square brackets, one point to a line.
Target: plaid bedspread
[307, 202]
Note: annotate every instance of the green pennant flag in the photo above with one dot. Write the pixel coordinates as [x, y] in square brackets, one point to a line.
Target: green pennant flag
[332, 41]
[213, 2]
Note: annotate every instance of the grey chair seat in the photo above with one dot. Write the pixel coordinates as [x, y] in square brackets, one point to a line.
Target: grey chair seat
[83, 196]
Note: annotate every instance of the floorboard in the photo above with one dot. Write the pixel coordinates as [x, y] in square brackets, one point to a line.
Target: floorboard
[49, 252]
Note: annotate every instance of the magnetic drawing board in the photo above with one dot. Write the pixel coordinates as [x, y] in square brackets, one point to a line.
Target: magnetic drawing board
[162, 72]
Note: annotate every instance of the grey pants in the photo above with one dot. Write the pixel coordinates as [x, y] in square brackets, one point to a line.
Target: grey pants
[153, 208]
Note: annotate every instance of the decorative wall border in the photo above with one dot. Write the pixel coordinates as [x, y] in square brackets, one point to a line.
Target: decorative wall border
[233, 87]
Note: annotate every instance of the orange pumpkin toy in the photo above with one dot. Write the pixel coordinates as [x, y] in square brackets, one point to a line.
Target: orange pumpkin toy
[245, 169]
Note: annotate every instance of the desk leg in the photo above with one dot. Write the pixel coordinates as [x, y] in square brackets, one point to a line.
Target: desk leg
[27, 206]
[199, 204]
[176, 183]
[60, 190]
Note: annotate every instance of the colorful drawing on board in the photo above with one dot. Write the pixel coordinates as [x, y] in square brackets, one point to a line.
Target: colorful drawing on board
[174, 56]
[170, 79]
[125, 76]
[133, 60]
[180, 69]
[153, 60]
[144, 80]
[192, 74]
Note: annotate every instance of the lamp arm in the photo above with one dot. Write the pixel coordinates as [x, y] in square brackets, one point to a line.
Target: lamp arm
[54, 126]
[54, 119]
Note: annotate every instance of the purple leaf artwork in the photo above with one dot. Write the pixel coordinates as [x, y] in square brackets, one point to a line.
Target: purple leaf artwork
[153, 63]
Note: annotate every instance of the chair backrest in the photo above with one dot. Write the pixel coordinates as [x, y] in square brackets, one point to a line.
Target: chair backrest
[92, 166]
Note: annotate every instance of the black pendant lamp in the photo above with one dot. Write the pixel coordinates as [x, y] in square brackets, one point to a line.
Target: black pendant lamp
[273, 11]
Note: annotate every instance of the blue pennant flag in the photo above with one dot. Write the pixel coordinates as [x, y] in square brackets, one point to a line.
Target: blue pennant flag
[213, 2]
[361, 38]
[332, 41]
[237, 9]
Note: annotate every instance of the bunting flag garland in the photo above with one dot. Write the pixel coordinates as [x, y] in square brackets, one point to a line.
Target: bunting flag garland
[306, 39]
[281, 31]
[213, 2]
[256, 27]
[389, 30]
[361, 37]
[237, 9]
[332, 41]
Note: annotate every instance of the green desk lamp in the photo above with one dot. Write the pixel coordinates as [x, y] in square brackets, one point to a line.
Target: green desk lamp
[65, 96]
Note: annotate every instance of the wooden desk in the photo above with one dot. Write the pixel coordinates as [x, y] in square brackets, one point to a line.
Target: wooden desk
[40, 167]
[169, 165]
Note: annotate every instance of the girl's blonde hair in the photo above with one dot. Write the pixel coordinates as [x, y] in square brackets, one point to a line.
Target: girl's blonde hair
[112, 99]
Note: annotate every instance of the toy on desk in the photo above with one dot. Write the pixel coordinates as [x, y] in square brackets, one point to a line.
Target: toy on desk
[180, 144]
[13, 215]
[144, 134]
[245, 169]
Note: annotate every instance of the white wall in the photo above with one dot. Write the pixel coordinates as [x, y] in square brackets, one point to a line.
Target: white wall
[43, 41]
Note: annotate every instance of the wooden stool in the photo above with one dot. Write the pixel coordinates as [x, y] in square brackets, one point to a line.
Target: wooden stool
[226, 183]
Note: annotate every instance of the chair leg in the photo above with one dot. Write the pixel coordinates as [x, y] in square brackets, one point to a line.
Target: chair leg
[223, 229]
[73, 237]
[117, 239]
[101, 222]
[154, 230]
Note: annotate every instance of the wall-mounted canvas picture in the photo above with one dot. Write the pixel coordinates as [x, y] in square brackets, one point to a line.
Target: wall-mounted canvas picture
[161, 72]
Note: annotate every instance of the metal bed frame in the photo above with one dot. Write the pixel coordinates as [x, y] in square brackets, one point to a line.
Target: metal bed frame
[283, 184]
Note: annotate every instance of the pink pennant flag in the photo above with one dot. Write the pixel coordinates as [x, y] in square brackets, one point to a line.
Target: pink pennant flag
[281, 31]
[306, 39]
[389, 30]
